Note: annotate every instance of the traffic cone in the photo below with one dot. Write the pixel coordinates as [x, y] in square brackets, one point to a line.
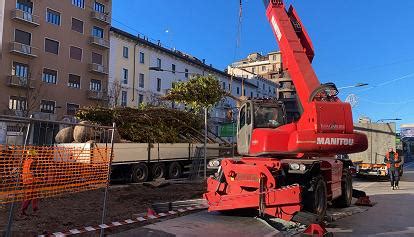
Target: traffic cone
[151, 212]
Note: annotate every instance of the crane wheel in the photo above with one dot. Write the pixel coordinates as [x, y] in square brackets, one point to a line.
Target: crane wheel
[346, 186]
[315, 199]
[175, 171]
[140, 173]
[158, 171]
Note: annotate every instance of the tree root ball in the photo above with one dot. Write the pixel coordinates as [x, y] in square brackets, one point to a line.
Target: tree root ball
[83, 133]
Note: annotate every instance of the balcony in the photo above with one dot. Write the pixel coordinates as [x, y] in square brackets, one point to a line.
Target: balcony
[97, 95]
[100, 42]
[18, 81]
[25, 17]
[286, 88]
[101, 17]
[98, 69]
[23, 49]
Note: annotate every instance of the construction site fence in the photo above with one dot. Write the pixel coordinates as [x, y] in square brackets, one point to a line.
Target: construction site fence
[34, 166]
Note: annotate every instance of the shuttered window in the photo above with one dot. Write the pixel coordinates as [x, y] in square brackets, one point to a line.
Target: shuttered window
[74, 81]
[77, 25]
[51, 46]
[97, 58]
[22, 37]
[75, 53]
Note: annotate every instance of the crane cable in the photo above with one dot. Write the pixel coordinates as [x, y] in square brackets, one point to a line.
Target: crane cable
[238, 40]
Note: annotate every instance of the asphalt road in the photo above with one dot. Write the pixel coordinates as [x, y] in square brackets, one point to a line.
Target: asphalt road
[391, 216]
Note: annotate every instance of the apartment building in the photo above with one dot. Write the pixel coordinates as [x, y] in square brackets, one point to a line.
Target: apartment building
[134, 78]
[268, 67]
[54, 56]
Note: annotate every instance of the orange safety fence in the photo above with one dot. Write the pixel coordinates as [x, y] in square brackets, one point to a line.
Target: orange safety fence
[47, 171]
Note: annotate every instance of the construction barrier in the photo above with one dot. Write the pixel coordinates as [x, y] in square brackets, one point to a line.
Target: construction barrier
[31, 172]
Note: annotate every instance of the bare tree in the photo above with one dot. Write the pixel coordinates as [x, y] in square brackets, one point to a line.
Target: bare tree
[114, 93]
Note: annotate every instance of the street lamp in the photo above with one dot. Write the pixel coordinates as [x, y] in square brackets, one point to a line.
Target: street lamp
[353, 86]
[391, 119]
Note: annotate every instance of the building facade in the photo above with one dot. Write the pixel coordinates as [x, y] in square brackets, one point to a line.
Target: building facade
[131, 82]
[54, 55]
[270, 68]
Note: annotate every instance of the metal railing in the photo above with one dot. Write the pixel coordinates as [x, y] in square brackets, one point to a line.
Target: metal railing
[101, 42]
[102, 17]
[98, 68]
[26, 17]
[97, 95]
[18, 81]
[24, 49]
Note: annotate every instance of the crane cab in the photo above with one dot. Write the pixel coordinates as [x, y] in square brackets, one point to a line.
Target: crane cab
[253, 114]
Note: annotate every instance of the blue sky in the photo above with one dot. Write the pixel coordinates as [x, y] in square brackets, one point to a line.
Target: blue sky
[368, 41]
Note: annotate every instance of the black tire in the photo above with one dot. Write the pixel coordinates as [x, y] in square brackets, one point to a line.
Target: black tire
[158, 171]
[140, 173]
[345, 199]
[175, 171]
[315, 199]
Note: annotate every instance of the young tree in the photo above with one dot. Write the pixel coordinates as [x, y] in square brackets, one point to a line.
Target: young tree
[199, 92]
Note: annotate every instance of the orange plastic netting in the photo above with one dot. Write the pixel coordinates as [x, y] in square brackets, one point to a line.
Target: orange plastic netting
[47, 171]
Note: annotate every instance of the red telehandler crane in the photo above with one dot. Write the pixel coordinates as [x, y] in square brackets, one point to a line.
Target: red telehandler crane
[289, 164]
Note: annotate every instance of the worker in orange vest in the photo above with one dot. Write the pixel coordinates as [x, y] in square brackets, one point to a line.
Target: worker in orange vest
[393, 164]
[29, 182]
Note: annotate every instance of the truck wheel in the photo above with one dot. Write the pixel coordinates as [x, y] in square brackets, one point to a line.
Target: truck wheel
[175, 170]
[315, 199]
[346, 186]
[140, 173]
[158, 171]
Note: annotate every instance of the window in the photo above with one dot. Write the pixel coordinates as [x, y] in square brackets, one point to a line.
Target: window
[77, 25]
[125, 52]
[95, 85]
[253, 70]
[51, 46]
[141, 80]
[49, 76]
[79, 3]
[24, 5]
[140, 98]
[20, 70]
[158, 84]
[186, 73]
[251, 94]
[224, 85]
[99, 7]
[124, 76]
[173, 68]
[159, 63]
[263, 68]
[74, 81]
[17, 103]
[75, 53]
[238, 90]
[97, 58]
[53, 17]
[142, 57]
[244, 92]
[22, 37]
[264, 86]
[47, 106]
[98, 32]
[71, 108]
[124, 98]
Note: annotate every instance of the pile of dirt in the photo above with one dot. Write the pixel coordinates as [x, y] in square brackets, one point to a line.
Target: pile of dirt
[84, 209]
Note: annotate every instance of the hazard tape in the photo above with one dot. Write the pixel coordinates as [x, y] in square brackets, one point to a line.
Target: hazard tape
[126, 222]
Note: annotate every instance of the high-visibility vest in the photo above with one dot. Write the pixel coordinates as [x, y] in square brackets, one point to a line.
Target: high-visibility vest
[387, 156]
[27, 175]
